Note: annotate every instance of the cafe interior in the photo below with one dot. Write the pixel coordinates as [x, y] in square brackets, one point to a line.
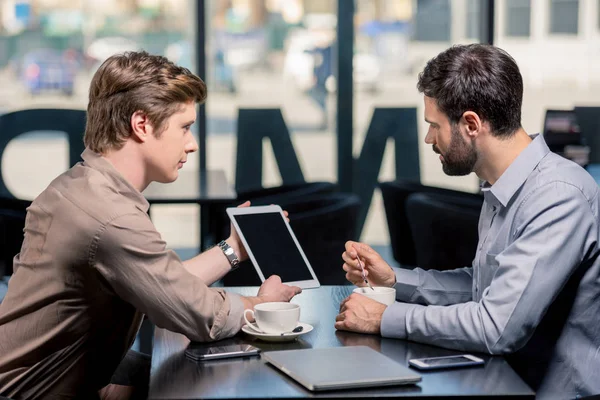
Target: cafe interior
[312, 106]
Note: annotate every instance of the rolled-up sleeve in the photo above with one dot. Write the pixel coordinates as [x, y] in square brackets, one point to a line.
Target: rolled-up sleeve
[554, 230]
[434, 287]
[133, 259]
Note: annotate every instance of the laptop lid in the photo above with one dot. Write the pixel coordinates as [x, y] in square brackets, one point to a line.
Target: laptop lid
[340, 368]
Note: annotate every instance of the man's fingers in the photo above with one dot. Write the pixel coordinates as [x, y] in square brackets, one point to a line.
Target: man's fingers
[344, 303]
[245, 204]
[350, 247]
[349, 259]
[365, 252]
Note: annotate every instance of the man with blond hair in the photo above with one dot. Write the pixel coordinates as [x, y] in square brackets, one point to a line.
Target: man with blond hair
[92, 263]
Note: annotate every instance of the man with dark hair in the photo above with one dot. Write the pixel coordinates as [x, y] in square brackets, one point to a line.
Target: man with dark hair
[532, 291]
[92, 263]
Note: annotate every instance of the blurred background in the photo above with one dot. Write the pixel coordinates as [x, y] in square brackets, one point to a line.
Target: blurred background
[283, 54]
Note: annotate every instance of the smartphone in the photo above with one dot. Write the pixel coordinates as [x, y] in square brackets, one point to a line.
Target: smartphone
[217, 352]
[463, 360]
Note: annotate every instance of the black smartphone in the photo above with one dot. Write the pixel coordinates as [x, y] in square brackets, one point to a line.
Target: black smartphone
[198, 353]
[463, 360]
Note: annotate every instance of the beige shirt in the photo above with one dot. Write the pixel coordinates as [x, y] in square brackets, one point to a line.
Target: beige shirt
[92, 263]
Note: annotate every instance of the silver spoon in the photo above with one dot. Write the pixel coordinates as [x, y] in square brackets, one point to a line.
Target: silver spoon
[363, 273]
[295, 330]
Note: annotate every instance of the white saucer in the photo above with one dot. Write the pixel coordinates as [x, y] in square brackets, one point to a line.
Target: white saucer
[272, 337]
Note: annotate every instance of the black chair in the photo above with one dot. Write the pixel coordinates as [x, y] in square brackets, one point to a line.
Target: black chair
[322, 224]
[394, 196]
[286, 193]
[12, 221]
[588, 119]
[444, 229]
[283, 194]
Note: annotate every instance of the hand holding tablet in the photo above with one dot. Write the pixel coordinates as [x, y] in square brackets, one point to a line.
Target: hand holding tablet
[272, 245]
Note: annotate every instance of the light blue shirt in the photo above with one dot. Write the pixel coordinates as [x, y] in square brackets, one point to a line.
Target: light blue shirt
[534, 288]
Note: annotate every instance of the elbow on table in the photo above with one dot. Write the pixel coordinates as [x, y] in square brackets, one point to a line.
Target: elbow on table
[505, 345]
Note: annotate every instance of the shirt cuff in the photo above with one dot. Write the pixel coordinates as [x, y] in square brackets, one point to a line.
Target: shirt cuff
[407, 282]
[233, 323]
[393, 320]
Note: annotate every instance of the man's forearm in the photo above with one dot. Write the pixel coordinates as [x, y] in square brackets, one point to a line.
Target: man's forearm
[211, 265]
[433, 287]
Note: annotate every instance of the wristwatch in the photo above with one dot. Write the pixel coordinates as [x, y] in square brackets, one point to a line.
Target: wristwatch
[233, 259]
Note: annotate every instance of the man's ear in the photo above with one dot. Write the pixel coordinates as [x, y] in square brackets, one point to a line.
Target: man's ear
[472, 123]
[140, 126]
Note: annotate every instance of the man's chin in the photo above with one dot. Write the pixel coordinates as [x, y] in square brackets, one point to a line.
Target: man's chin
[168, 179]
[454, 172]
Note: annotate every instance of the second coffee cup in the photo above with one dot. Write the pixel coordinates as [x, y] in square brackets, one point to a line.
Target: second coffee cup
[275, 317]
[384, 295]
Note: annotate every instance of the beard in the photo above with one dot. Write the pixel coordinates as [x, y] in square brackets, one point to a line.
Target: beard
[460, 157]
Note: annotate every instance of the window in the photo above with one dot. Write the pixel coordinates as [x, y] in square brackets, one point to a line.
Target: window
[564, 16]
[518, 18]
[432, 20]
[474, 19]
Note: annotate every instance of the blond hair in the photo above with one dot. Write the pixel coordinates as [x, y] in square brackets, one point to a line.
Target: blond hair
[136, 81]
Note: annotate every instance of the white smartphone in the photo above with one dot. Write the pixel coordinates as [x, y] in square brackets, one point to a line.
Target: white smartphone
[202, 353]
[463, 360]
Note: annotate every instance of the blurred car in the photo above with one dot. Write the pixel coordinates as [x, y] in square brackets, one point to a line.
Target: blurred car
[224, 75]
[48, 69]
[102, 48]
[242, 51]
[299, 63]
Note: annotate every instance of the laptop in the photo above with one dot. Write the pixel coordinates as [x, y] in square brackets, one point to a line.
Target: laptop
[340, 368]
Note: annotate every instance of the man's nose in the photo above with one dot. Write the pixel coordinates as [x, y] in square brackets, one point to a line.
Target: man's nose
[192, 145]
[429, 138]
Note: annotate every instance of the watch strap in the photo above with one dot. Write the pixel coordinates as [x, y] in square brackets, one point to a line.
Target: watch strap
[233, 259]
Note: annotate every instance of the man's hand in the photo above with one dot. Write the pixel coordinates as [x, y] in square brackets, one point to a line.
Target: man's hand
[359, 313]
[234, 239]
[273, 290]
[377, 271]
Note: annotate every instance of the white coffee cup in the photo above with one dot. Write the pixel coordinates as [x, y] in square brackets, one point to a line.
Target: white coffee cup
[275, 317]
[384, 295]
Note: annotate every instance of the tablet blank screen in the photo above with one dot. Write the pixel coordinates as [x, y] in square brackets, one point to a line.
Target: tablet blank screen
[273, 247]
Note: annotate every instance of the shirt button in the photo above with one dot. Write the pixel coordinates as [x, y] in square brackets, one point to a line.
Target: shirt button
[494, 208]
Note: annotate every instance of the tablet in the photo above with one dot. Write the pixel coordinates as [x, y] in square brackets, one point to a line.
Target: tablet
[272, 245]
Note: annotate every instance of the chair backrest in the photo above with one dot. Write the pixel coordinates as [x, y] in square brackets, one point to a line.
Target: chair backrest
[561, 128]
[71, 122]
[322, 224]
[286, 193]
[394, 196]
[283, 194]
[12, 222]
[588, 119]
[444, 229]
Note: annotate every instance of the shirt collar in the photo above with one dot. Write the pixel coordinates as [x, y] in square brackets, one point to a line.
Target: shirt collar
[118, 181]
[518, 171]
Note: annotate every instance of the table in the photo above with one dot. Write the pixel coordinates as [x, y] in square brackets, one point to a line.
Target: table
[210, 190]
[174, 376]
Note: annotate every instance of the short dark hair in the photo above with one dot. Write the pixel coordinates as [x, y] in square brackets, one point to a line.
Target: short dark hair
[136, 81]
[476, 77]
